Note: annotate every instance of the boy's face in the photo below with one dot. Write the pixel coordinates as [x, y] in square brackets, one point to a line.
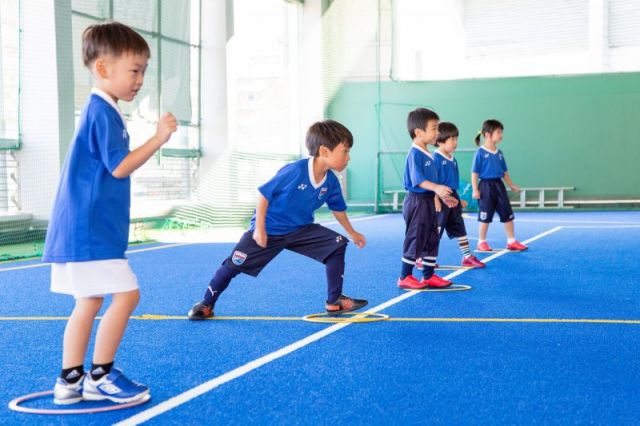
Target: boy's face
[429, 134]
[338, 158]
[450, 145]
[121, 77]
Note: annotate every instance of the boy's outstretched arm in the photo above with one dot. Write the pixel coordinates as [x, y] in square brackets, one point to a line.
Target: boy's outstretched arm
[167, 124]
[357, 238]
[260, 231]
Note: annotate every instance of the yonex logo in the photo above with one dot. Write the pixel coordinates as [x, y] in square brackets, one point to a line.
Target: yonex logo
[427, 163]
[109, 388]
[338, 238]
[302, 187]
[486, 156]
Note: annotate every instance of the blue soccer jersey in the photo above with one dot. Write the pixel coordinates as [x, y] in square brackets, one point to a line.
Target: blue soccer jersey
[489, 164]
[447, 170]
[90, 218]
[294, 195]
[420, 166]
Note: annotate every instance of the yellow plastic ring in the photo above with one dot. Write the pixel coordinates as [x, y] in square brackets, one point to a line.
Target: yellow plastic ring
[452, 287]
[350, 317]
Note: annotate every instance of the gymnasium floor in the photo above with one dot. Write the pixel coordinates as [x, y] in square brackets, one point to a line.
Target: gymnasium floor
[547, 336]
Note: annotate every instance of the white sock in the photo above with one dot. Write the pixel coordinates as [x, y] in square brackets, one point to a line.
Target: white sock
[511, 240]
[482, 241]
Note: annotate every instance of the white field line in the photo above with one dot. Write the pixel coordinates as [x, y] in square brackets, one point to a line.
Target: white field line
[40, 265]
[205, 387]
[604, 222]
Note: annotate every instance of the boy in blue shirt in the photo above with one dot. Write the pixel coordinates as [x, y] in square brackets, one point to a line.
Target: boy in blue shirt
[419, 207]
[88, 232]
[488, 170]
[284, 220]
[450, 219]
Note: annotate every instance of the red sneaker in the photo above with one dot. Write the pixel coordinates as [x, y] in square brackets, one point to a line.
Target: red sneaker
[472, 262]
[436, 282]
[483, 246]
[516, 246]
[410, 283]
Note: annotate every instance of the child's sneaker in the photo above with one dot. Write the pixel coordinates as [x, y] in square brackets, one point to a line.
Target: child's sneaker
[344, 304]
[436, 282]
[65, 393]
[516, 246]
[472, 262]
[200, 311]
[410, 283]
[483, 246]
[115, 387]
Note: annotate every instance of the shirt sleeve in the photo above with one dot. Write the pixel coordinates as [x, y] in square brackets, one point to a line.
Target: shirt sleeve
[335, 200]
[477, 162]
[272, 187]
[416, 170]
[503, 163]
[111, 140]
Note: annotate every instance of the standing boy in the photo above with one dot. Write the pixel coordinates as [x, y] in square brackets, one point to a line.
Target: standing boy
[419, 207]
[450, 219]
[89, 227]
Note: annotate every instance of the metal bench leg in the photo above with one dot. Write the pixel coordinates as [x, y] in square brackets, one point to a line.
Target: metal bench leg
[541, 199]
[523, 198]
[561, 198]
[395, 201]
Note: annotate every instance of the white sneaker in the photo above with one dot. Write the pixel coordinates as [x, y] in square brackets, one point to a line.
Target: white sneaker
[65, 393]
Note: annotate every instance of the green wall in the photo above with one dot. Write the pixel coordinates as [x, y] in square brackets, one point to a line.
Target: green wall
[581, 131]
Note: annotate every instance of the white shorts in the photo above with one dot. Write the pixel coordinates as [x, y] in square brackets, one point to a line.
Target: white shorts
[95, 278]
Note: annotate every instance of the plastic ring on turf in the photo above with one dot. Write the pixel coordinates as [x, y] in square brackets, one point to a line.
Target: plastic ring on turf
[350, 317]
[452, 287]
[15, 405]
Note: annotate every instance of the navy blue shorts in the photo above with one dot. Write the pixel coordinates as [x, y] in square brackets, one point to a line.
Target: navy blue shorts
[314, 241]
[421, 237]
[450, 219]
[493, 198]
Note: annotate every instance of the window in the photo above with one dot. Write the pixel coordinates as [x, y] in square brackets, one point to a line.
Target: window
[172, 29]
[9, 104]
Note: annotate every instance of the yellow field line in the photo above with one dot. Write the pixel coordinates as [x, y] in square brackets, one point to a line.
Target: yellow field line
[150, 317]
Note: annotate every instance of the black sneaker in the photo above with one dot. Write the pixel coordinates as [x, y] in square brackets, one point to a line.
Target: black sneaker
[200, 311]
[344, 304]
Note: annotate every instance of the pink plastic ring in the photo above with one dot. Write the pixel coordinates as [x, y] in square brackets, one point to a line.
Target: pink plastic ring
[15, 405]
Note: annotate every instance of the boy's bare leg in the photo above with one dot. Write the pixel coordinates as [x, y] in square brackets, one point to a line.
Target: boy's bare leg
[78, 331]
[482, 231]
[509, 229]
[113, 324]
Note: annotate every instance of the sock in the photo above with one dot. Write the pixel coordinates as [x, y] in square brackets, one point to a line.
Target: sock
[100, 370]
[335, 273]
[73, 374]
[464, 246]
[428, 266]
[219, 283]
[511, 240]
[407, 269]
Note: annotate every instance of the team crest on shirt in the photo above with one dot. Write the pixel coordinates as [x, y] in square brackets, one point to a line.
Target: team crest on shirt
[483, 215]
[323, 191]
[238, 257]
[302, 187]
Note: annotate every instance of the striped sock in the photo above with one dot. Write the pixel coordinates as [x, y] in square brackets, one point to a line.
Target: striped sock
[464, 246]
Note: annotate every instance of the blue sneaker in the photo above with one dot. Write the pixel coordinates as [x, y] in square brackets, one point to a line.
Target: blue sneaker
[65, 393]
[115, 387]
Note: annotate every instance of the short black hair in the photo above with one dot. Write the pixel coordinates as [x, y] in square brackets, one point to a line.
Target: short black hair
[111, 38]
[446, 130]
[418, 119]
[327, 133]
